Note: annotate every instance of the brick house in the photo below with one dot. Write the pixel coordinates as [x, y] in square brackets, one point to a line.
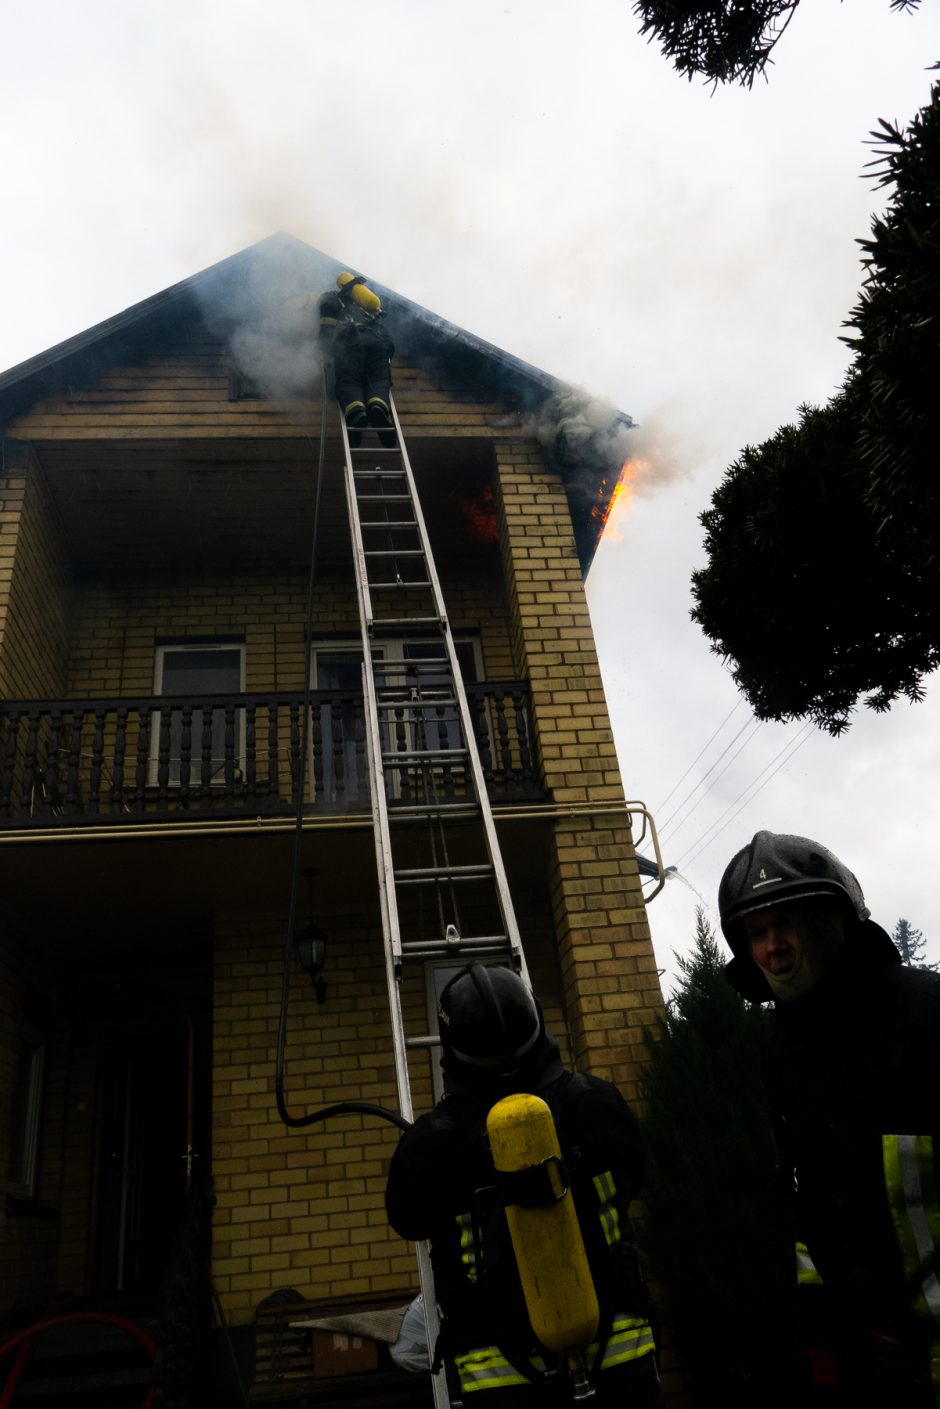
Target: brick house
[156, 501]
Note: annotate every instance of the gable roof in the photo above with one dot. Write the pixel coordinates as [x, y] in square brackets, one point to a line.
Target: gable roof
[281, 265]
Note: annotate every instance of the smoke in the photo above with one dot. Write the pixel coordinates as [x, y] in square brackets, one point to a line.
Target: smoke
[583, 431]
[267, 314]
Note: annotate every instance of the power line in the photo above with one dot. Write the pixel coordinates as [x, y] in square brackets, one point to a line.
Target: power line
[734, 708]
[693, 809]
[746, 725]
[794, 746]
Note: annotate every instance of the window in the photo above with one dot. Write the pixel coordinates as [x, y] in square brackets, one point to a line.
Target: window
[25, 1108]
[341, 760]
[242, 387]
[194, 669]
[340, 724]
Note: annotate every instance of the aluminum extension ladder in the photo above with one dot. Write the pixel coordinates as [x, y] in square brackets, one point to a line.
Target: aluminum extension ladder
[442, 884]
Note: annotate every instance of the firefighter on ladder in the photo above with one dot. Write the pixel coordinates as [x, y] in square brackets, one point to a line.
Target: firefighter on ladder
[352, 335]
[447, 1183]
[852, 1068]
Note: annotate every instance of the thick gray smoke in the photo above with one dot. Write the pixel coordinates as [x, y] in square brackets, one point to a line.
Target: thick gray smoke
[268, 315]
[583, 431]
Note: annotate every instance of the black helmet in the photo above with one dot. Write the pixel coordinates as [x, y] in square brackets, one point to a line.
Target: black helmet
[489, 1022]
[777, 867]
[773, 868]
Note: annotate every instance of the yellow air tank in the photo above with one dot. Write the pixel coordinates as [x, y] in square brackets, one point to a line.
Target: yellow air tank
[546, 1238]
[360, 294]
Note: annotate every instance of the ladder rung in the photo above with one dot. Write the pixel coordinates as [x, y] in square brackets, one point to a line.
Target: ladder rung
[393, 552]
[428, 1041]
[424, 875]
[374, 449]
[396, 524]
[389, 622]
[428, 948]
[418, 665]
[404, 675]
[420, 811]
[384, 499]
[398, 586]
[420, 755]
[436, 679]
[424, 702]
[379, 474]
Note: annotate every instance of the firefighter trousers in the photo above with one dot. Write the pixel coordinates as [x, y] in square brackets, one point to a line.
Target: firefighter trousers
[361, 370]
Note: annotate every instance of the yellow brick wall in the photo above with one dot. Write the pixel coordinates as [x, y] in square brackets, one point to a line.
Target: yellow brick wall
[117, 626]
[35, 583]
[606, 956]
[304, 1208]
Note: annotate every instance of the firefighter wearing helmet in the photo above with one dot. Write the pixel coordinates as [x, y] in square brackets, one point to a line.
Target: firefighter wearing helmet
[351, 333]
[443, 1186]
[852, 1067]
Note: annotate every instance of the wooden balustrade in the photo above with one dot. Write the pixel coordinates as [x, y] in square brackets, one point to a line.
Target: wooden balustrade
[158, 758]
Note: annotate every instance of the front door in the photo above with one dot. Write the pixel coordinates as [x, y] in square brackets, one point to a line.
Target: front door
[145, 1156]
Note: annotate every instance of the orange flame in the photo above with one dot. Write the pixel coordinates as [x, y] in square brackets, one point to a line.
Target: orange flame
[480, 516]
[610, 517]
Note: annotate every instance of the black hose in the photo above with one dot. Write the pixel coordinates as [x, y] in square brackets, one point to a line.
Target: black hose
[342, 1107]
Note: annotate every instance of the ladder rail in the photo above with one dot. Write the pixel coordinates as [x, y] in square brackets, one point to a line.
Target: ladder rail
[387, 762]
[476, 768]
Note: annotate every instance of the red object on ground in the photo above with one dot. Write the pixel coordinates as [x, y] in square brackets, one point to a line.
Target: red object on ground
[25, 1342]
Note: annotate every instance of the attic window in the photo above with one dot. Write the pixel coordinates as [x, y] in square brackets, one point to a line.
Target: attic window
[241, 387]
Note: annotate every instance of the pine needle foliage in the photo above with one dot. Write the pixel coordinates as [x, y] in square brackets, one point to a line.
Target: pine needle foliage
[822, 581]
[722, 41]
[719, 40]
[714, 1237]
[912, 946]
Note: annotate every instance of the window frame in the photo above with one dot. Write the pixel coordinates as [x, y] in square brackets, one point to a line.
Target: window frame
[391, 652]
[23, 1154]
[181, 647]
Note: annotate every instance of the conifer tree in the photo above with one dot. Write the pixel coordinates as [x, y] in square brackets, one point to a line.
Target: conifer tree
[715, 1238]
[910, 943]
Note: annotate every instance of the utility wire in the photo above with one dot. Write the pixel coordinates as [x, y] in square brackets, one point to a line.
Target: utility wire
[695, 806]
[676, 810]
[793, 745]
[734, 708]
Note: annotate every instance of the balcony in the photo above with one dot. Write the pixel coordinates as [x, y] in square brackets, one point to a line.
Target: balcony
[157, 759]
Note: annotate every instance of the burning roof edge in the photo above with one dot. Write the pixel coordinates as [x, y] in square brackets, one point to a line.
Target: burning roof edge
[419, 331]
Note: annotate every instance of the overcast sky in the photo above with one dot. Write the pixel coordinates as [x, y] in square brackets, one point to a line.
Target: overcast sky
[533, 171]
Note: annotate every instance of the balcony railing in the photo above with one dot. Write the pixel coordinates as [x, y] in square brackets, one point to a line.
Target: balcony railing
[160, 758]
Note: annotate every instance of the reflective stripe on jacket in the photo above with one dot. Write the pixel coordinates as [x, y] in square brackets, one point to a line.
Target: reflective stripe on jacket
[806, 1274]
[606, 1191]
[631, 1338]
[911, 1183]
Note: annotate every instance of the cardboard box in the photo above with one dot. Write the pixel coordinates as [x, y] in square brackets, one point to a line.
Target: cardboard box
[334, 1353]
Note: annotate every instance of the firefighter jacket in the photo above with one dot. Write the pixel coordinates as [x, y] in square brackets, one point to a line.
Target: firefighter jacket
[441, 1186]
[853, 1076]
[343, 323]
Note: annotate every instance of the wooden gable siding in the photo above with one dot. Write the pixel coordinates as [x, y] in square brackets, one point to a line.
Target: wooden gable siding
[182, 390]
